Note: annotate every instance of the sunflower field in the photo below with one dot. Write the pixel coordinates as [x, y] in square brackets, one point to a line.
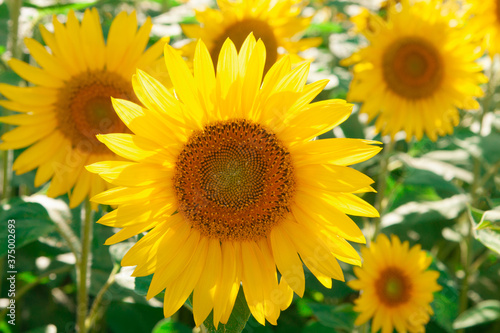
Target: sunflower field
[250, 166]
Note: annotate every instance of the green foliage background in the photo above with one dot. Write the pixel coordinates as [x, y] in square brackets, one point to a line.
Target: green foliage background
[431, 199]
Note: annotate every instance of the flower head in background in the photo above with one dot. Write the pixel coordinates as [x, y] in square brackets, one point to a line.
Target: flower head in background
[225, 174]
[396, 287]
[416, 71]
[485, 22]
[70, 101]
[277, 23]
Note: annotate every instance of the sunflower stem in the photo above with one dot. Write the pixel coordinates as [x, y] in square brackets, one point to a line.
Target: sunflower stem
[83, 268]
[380, 203]
[477, 183]
[490, 91]
[91, 318]
[14, 7]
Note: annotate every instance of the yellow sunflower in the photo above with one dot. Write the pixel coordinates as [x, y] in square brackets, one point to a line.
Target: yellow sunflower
[416, 71]
[277, 23]
[396, 289]
[70, 101]
[485, 20]
[225, 174]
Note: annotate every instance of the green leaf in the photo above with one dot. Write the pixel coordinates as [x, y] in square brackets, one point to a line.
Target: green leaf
[485, 148]
[31, 222]
[168, 326]
[490, 219]
[445, 302]
[422, 177]
[317, 327]
[60, 8]
[485, 230]
[481, 313]
[237, 320]
[131, 317]
[340, 317]
[142, 284]
[424, 218]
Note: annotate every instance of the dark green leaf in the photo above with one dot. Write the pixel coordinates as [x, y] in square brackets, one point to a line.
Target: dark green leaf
[237, 320]
[340, 317]
[483, 312]
[445, 302]
[124, 317]
[317, 327]
[31, 222]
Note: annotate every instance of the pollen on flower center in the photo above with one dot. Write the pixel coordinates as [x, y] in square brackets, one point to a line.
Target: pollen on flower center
[393, 287]
[412, 68]
[239, 31]
[84, 107]
[234, 180]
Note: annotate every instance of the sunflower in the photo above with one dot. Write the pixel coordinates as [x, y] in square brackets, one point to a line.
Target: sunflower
[485, 20]
[416, 71]
[277, 23]
[396, 289]
[70, 101]
[224, 173]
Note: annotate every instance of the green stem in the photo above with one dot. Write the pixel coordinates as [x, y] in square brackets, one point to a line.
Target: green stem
[466, 245]
[466, 254]
[380, 203]
[98, 300]
[490, 91]
[14, 7]
[83, 268]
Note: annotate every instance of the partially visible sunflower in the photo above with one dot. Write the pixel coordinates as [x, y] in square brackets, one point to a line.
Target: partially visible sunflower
[277, 23]
[396, 287]
[225, 174]
[417, 71]
[485, 22]
[70, 101]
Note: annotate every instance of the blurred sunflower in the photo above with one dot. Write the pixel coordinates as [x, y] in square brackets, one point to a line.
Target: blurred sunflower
[71, 100]
[416, 71]
[277, 23]
[396, 287]
[485, 22]
[231, 185]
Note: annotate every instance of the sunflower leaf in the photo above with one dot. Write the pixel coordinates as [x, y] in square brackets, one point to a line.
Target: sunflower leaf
[483, 312]
[486, 228]
[237, 320]
[31, 222]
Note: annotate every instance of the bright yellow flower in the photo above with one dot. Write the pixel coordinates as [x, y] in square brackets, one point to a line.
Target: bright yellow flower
[70, 101]
[396, 287]
[485, 22]
[225, 174]
[277, 23]
[416, 71]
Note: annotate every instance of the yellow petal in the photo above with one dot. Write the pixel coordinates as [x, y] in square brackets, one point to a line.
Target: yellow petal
[287, 260]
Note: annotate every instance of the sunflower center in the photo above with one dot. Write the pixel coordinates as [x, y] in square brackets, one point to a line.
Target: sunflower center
[393, 287]
[412, 68]
[234, 180]
[239, 31]
[84, 108]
